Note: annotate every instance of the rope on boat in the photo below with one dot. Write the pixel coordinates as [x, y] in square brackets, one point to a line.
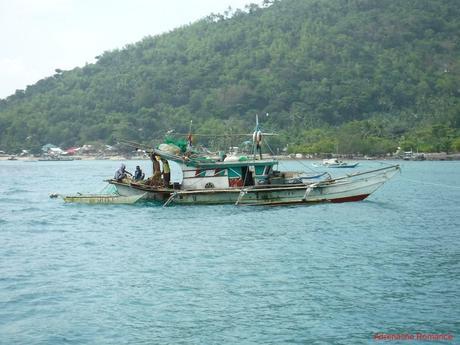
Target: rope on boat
[243, 192]
[170, 199]
[366, 172]
[298, 161]
[308, 191]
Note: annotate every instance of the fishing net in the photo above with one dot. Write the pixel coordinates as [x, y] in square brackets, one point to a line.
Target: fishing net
[109, 189]
[180, 143]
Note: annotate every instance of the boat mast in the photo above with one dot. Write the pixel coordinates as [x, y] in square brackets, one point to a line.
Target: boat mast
[189, 137]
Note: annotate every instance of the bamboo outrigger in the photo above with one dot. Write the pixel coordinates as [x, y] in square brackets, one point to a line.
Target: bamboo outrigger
[103, 199]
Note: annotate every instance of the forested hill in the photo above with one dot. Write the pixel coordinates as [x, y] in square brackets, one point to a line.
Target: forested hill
[366, 75]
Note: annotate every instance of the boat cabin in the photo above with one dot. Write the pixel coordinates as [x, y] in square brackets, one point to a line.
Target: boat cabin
[210, 173]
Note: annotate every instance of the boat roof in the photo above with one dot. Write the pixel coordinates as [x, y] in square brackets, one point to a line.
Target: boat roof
[210, 163]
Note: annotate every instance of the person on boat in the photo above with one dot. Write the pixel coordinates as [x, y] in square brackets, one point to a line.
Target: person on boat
[166, 172]
[138, 174]
[154, 180]
[121, 173]
[257, 139]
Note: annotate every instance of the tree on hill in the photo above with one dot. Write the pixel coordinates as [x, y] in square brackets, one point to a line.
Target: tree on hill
[378, 71]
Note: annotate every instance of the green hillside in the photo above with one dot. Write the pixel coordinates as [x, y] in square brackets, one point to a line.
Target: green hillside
[363, 75]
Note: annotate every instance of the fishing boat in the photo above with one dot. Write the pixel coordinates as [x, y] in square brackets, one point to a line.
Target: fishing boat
[253, 182]
[248, 181]
[336, 163]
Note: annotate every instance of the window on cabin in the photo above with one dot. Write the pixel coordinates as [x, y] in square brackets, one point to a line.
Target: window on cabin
[268, 170]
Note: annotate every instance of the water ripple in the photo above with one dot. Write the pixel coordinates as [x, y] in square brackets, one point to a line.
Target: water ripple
[324, 274]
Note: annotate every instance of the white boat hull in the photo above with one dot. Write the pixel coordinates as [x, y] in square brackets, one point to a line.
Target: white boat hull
[337, 192]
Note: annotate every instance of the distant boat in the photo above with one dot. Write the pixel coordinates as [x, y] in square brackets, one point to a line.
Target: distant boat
[411, 156]
[407, 155]
[335, 163]
[12, 158]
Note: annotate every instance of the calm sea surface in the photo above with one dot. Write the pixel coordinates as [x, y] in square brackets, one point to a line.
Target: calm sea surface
[142, 274]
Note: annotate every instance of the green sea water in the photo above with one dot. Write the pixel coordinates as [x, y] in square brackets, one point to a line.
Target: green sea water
[142, 274]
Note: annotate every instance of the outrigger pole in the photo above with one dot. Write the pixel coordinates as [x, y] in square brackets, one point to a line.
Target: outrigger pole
[137, 146]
